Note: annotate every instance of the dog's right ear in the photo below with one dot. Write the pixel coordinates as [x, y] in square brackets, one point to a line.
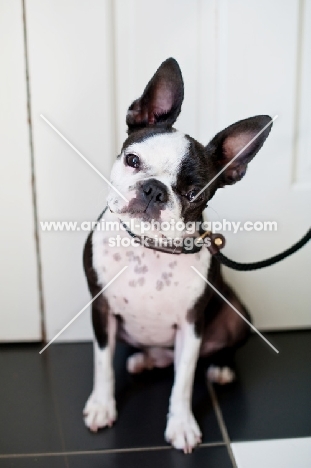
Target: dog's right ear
[160, 103]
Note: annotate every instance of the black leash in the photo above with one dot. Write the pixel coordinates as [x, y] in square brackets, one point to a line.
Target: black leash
[263, 263]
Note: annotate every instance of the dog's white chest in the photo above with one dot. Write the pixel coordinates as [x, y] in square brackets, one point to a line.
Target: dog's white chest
[156, 291]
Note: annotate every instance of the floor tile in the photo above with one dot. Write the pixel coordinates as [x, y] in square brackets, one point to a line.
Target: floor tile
[211, 457]
[285, 453]
[35, 462]
[142, 401]
[28, 420]
[271, 398]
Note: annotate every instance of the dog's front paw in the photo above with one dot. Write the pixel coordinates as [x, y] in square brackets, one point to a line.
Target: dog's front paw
[99, 413]
[183, 432]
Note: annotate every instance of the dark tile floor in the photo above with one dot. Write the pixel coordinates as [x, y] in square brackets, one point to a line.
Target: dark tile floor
[42, 397]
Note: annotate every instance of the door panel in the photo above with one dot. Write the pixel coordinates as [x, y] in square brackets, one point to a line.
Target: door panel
[262, 65]
[71, 72]
[238, 59]
[19, 299]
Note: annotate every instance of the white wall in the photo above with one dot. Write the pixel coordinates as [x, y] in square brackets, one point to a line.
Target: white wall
[89, 60]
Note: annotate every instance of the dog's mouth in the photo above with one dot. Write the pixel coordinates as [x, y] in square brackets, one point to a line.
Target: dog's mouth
[141, 209]
[125, 213]
[141, 223]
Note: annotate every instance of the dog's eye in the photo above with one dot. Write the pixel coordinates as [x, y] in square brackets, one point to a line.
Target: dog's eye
[190, 195]
[132, 160]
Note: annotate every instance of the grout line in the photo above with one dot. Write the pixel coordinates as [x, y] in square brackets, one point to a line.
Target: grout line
[211, 444]
[55, 405]
[33, 180]
[221, 423]
[107, 451]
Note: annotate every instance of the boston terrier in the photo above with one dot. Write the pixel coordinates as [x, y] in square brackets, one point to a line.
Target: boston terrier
[160, 304]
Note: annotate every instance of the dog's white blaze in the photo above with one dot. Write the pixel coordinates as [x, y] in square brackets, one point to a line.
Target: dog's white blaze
[161, 156]
[156, 291]
[163, 153]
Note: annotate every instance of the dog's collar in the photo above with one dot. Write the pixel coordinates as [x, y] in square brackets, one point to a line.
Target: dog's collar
[213, 242]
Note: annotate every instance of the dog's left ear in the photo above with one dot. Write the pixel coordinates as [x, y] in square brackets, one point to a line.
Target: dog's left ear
[225, 146]
[160, 103]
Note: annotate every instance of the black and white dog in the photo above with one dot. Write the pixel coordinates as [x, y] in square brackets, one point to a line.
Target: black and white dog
[160, 304]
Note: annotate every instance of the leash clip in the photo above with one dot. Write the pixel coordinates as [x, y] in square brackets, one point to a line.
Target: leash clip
[216, 241]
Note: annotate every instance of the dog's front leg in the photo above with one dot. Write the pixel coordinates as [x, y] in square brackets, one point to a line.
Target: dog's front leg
[100, 409]
[182, 430]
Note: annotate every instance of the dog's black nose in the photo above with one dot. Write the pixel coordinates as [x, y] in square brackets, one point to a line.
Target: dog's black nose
[155, 191]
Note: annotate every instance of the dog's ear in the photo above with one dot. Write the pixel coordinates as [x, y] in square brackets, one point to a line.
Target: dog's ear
[232, 149]
[160, 103]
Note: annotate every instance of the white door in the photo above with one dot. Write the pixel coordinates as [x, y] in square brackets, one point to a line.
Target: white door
[19, 298]
[89, 61]
[71, 76]
[240, 59]
[265, 49]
